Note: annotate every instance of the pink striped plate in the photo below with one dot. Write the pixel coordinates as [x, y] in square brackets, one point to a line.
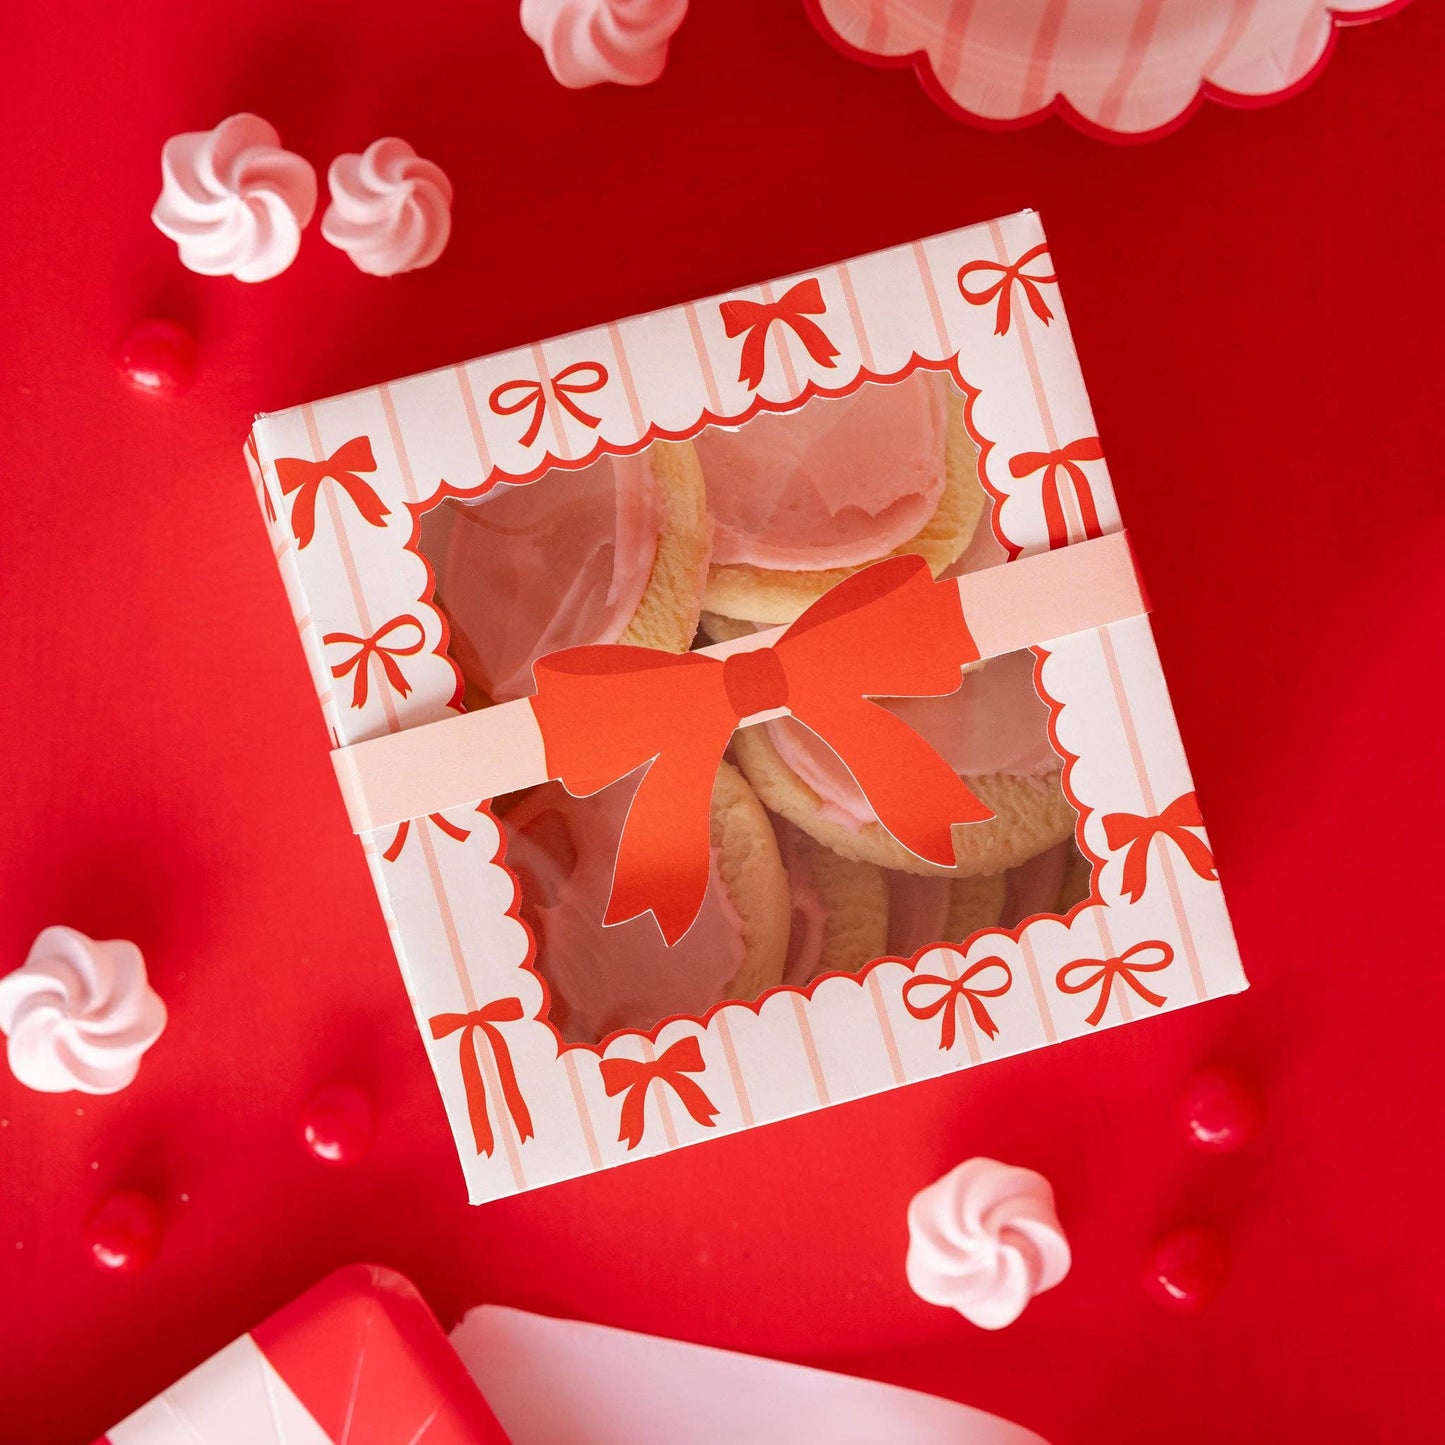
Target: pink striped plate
[1117, 69]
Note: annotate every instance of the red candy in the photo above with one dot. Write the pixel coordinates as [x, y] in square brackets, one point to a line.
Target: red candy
[124, 1233]
[157, 357]
[1221, 1112]
[337, 1124]
[1186, 1268]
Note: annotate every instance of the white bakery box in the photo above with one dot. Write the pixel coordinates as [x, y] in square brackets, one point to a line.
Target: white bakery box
[597, 626]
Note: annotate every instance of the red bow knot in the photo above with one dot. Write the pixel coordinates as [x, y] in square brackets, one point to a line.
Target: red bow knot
[565, 386]
[948, 993]
[484, 1021]
[398, 842]
[304, 477]
[1003, 287]
[376, 646]
[606, 710]
[1064, 462]
[1127, 830]
[632, 1077]
[1101, 973]
[794, 308]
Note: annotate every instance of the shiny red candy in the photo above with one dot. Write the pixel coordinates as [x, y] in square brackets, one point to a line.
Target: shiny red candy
[1186, 1268]
[1221, 1111]
[124, 1233]
[338, 1124]
[157, 357]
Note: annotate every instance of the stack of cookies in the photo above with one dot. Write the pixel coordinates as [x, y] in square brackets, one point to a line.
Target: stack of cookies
[694, 542]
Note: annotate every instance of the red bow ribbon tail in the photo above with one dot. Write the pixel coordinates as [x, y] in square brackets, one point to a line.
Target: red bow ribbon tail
[1134, 833]
[633, 1077]
[304, 477]
[794, 308]
[485, 1021]
[952, 990]
[376, 646]
[1065, 461]
[1003, 287]
[1102, 972]
[398, 842]
[915, 794]
[607, 710]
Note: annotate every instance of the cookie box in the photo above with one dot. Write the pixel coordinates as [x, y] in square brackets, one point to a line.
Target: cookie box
[747, 706]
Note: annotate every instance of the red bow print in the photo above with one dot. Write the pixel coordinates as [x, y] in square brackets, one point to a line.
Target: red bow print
[633, 1076]
[1127, 830]
[606, 710]
[1064, 461]
[953, 991]
[304, 477]
[793, 308]
[404, 831]
[484, 1021]
[1101, 973]
[565, 386]
[1003, 287]
[376, 646]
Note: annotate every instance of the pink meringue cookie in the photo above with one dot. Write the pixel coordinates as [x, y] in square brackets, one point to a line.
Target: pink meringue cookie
[233, 200]
[589, 41]
[390, 211]
[984, 1240]
[79, 1014]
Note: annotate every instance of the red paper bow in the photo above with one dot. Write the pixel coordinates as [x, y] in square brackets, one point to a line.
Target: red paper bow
[1065, 461]
[376, 646]
[484, 1021]
[1103, 971]
[952, 992]
[404, 830]
[1003, 287]
[1127, 830]
[564, 387]
[793, 308]
[633, 1076]
[887, 631]
[304, 477]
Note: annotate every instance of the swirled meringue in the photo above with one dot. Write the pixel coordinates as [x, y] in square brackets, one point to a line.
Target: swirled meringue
[233, 200]
[79, 1014]
[390, 210]
[589, 41]
[985, 1240]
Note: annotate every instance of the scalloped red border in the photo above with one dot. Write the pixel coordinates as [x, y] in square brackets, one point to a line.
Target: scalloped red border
[922, 67]
[863, 377]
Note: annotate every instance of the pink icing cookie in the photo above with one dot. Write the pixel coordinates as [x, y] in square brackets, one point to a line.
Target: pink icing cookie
[837, 483]
[799, 499]
[993, 731]
[605, 978]
[613, 552]
[839, 908]
[995, 723]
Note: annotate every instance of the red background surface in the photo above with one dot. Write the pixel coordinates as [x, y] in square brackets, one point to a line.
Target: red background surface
[1258, 316]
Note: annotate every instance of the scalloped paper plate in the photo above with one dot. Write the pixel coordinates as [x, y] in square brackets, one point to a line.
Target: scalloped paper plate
[1116, 69]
